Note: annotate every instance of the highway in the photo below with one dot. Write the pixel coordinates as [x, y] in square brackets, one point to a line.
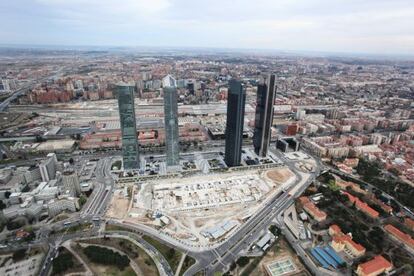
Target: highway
[101, 194]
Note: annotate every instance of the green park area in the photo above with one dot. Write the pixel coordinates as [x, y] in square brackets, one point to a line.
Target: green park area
[134, 252]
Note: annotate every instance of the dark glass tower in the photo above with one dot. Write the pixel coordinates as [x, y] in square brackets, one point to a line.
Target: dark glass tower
[171, 120]
[264, 115]
[128, 126]
[234, 124]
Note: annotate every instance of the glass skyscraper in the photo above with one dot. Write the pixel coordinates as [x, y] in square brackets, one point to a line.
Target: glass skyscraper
[128, 126]
[171, 120]
[234, 125]
[264, 115]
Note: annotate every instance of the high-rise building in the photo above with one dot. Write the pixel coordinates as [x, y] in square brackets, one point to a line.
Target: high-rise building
[48, 167]
[70, 182]
[171, 120]
[234, 124]
[128, 126]
[264, 115]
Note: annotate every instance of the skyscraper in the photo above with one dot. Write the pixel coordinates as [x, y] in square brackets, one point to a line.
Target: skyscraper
[171, 120]
[128, 126]
[264, 115]
[234, 124]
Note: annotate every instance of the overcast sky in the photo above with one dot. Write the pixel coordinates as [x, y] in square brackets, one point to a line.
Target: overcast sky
[363, 26]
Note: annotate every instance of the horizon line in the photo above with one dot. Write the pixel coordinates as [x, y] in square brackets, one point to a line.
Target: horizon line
[311, 53]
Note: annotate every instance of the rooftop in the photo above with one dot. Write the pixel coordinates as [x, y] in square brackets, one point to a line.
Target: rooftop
[378, 263]
[405, 238]
[362, 205]
[169, 81]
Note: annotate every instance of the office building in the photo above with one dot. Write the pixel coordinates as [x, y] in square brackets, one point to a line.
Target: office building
[128, 126]
[264, 115]
[234, 124]
[70, 182]
[48, 167]
[287, 144]
[171, 120]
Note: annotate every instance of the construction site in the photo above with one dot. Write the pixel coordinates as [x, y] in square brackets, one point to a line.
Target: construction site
[201, 209]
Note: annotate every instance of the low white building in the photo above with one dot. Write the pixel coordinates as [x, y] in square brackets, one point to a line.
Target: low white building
[5, 175]
[35, 210]
[56, 206]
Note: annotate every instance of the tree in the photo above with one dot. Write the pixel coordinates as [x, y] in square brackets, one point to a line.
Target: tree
[71, 161]
[62, 263]
[106, 256]
[19, 255]
[170, 253]
[82, 200]
[15, 224]
[25, 189]
[39, 139]
[274, 230]
[242, 261]
[394, 171]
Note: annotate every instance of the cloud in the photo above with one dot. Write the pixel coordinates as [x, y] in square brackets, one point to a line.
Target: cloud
[379, 26]
[114, 7]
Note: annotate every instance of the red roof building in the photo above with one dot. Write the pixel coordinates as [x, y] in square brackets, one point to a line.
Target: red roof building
[340, 242]
[374, 267]
[345, 184]
[312, 209]
[334, 230]
[409, 222]
[388, 209]
[21, 233]
[406, 239]
[351, 162]
[362, 206]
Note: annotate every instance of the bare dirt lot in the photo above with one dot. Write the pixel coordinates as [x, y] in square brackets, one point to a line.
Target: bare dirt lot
[119, 205]
[279, 175]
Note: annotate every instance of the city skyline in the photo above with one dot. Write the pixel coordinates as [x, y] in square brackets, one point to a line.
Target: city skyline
[372, 27]
[200, 138]
[89, 137]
